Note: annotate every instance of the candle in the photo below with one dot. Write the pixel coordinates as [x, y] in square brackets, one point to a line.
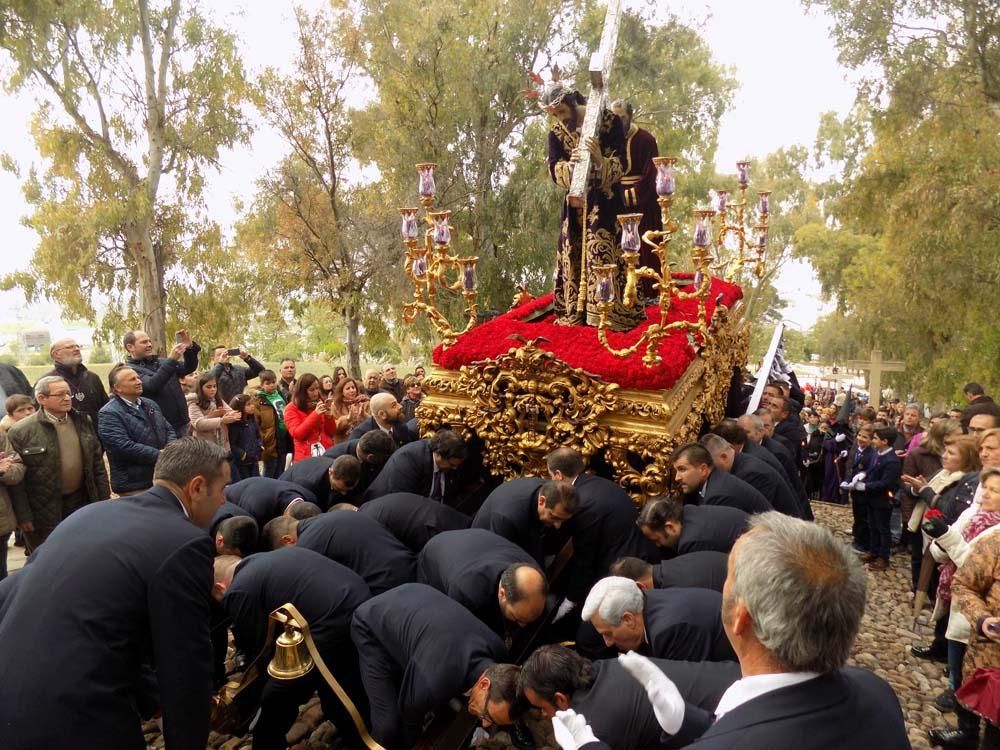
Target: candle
[469, 276]
[630, 231]
[723, 200]
[701, 237]
[419, 266]
[764, 204]
[665, 181]
[426, 186]
[442, 232]
[698, 278]
[743, 173]
[605, 291]
[409, 227]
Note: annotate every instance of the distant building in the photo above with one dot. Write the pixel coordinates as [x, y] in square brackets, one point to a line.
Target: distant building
[37, 340]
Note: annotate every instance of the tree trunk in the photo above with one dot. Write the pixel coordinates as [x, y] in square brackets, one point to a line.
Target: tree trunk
[353, 323]
[150, 282]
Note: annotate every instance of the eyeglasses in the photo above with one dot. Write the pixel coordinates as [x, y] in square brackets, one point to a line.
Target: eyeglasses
[56, 395]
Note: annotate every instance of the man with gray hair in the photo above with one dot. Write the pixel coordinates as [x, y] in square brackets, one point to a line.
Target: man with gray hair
[792, 606]
[682, 624]
[63, 466]
[86, 388]
[757, 474]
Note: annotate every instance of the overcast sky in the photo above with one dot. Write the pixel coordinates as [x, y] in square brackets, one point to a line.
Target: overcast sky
[783, 58]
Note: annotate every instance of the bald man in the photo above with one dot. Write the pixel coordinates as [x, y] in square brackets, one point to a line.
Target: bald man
[86, 388]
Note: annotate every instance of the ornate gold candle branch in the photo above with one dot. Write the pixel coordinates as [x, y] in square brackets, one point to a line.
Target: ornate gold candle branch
[427, 264]
[733, 221]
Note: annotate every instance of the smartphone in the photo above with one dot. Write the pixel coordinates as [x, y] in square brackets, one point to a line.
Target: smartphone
[178, 338]
[233, 352]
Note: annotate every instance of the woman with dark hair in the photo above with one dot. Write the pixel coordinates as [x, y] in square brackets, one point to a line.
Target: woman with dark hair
[326, 383]
[309, 420]
[339, 375]
[350, 407]
[210, 416]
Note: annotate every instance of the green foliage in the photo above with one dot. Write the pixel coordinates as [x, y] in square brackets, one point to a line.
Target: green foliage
[100, 355]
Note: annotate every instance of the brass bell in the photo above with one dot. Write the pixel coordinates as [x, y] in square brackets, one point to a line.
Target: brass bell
[291, 656]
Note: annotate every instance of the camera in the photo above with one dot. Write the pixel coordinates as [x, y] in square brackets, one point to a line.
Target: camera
[233, 352]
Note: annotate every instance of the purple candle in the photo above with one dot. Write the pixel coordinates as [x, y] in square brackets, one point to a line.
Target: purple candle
[743, 173]
[442, 232]
[605, 292]
[723, 200]
[665, 182]
[764, 204]
[698, 278]
[469, 277]
[701, 233]
[426, 186]
[419, 266]
[409, 228]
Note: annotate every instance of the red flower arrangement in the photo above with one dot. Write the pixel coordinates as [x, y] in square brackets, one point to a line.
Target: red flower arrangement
[578, 346]
[932, 514]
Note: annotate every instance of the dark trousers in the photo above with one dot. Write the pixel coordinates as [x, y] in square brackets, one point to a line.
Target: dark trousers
[860, 530]
[382, 678]
[274, 467]
[239, 471]
[956, 654]
[3, 555]
[916, 542]
[879, 519]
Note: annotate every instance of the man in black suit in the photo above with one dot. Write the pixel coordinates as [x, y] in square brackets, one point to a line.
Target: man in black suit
[424, 468]
[680, 624]
[491, 577]
[265, 498]
[418, 650]
[695, 570]
[354, 540]
[331, 480]
[603, 527]
[756, 473]
[760, 430]
[412, 519]
[521, 509]
[326, 594]
[372, 449]
[788, 426]
[556, 679]
[236, 536]
[796, 692]
[387, 416]
[703, 484]
[118, 587]
[681, 529]
[226, 510]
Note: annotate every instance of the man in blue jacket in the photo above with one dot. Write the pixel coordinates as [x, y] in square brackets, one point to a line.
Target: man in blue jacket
[133, 430]
[160, 375]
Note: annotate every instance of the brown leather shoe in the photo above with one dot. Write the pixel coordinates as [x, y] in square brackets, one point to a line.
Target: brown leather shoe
[878, 565]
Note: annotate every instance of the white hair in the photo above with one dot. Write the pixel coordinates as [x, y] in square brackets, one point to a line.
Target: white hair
[715, 444]
[611, 598]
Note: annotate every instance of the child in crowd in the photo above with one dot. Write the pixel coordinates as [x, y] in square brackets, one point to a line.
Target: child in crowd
[244, 438]
[879, 486]
[18, 407]
[858, 460]
[271, 416]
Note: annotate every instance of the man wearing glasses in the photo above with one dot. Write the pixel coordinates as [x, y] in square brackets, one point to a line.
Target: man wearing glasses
[86, 388]
[63, 467]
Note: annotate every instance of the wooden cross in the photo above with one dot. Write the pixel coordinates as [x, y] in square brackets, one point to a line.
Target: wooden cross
[875, 367]
[600, 70]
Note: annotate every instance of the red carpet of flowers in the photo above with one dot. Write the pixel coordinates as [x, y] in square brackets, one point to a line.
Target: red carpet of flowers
[578, 346]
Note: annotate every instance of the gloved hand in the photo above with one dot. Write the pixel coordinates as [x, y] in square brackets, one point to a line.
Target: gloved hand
[845, 485]
[563, 610]
[842, 454]
[841, 437]
[860, 486]
[571, 730]
[668, 705]
[859, 477]
[934, 524]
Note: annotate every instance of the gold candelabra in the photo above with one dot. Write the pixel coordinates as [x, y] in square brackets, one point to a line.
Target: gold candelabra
[427, 264]
[702, 257]
[732, 222]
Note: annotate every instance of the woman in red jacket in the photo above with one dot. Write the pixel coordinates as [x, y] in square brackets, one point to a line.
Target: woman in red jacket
[309, 419]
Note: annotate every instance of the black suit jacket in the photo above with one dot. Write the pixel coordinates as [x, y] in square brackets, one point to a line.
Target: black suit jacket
[685, 624]
[618, 711]
[226, 510]
[603, 530]
[266, 498]
[788, 470]
[400, 432]
[412, 519]
[418, 649]
[695, 570]
[466, 565]
[768, 482]
[363, 545]
[345, 448]
[410, 469]
[511, 511]
[791, 431]
[118, 586]
[850, 708]
[710, 527]
[324, 591]
[722, 488]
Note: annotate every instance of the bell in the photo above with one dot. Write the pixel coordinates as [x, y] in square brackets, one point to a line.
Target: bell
[291, 658]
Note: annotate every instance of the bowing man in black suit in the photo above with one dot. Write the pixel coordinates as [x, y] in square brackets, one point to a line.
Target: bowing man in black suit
[418, 650]
[796, 692]
[119, 585]
[703, 484]
[491, 577]
[603, 527]
[412, 519]
[556, 679]
[679, 529]
[327, 594]
[331, 480]
[352, 539]
[387, 417]
[682, 624]
[372, 449]
[756, 473]
[267, 498]
[226, 510]
[424, 468]
[521, 509]
[695, 570]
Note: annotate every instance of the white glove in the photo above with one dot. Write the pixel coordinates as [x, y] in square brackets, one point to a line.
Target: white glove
[841, 438]
[563, 610]
[668, 705]
[571, 730]
[859, 477]
[845, 485]
[860, 486]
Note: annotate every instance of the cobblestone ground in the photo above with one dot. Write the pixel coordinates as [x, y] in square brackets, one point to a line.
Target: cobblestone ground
[883, 646]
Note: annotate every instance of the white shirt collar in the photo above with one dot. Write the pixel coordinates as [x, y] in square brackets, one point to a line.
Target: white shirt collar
[745, 690]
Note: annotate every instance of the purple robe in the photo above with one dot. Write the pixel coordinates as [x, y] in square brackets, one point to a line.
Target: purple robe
[639, 195]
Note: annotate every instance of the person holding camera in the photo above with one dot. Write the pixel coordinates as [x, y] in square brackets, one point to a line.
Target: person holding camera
[160, 375]
[310, 420]
[233, 380]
